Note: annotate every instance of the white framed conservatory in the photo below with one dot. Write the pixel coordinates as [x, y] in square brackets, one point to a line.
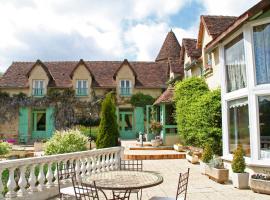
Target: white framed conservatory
[245, 87]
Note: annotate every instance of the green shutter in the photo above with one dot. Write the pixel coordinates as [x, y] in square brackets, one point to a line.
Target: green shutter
[139, 117]
[49, 121]
[23, 124]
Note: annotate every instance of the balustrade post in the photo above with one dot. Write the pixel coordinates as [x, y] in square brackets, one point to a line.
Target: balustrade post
[83, 167]
[1, 185]
[49, 176]
[11, 184]
[77, 169]
[32, 180]
[56, 174]
[89, 166]
[93, 159]
[41, 177]
[22, 182]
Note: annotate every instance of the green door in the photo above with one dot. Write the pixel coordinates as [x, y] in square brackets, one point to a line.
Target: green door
[139, 119]
[23, 125]
[126, 124]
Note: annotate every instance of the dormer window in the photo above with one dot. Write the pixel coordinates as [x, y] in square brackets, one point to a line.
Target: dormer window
[81, 88]
[38, 88]
[125, 87]
[209, 61]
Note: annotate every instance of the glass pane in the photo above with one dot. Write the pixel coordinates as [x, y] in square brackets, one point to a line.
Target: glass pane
[122, 83]
[41, 122]
[84, 84]
[128, 122]
[235, 64]
[239, 125]
[264, 116]
[41, 84]
[170, 119]
[261, 37]
[35, 84]
[79, 84]
[127, 84]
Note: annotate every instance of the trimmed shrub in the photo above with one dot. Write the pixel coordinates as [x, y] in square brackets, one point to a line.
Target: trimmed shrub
[66, 142]
[141, 100]
[85, 130]
[207, 153]
[108, 128]
[4, 148]
[198, 113]
[238, 162]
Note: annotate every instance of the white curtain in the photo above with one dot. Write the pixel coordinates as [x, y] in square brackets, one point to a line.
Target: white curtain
[236, 66]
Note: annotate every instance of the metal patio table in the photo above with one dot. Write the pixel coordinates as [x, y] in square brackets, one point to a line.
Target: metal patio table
[123, 180]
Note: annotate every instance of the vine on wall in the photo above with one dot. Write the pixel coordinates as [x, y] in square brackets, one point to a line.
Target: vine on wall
[69, 110]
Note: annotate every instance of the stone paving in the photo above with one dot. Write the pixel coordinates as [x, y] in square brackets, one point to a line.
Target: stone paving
[199, 188]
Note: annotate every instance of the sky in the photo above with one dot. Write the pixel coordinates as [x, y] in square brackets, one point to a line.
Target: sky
[52, 30]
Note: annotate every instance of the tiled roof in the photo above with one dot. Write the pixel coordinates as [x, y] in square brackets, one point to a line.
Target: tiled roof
[166, 97]
[176, 67]
[190, 47]
[149, 74]
[217, 24]
[170, 48]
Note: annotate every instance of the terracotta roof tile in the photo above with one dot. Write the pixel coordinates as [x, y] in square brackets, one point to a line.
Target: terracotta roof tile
[170, 48]
[190, 47]
[166, 97]
[149, 74]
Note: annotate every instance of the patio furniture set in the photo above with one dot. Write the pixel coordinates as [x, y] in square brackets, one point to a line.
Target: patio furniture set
[119, 184]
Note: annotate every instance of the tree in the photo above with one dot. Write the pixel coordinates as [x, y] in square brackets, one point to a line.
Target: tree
[108, 128]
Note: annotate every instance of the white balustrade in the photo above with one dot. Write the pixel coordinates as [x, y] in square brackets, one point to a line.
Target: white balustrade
[23, 185]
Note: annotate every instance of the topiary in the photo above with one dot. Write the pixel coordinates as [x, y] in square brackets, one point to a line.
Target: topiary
[108, 132]
[141, 100]
[238, 162]
[207, 153]
[66, 142]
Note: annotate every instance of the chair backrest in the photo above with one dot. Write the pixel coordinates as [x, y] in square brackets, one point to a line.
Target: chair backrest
[132, 165]
[182, 185]
[65, 171]
[83, 191]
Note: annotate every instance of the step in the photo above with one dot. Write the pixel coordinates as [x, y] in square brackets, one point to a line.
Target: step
[151, 148]
[153, 154]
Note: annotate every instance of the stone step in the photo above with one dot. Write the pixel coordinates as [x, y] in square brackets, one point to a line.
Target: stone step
[153, 154]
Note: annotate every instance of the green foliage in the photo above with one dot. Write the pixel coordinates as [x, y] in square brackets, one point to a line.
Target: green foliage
[108, 129]
[85, 130]
[207, 153]
[155, 127]
[4, 148]
[66, 142]
[198, 113]
[216, 162]
[141, 100]
[238, 162]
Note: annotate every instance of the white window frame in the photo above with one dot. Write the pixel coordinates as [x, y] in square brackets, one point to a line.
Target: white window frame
[82, 81]
[252, 91]
[125, 85]
[38, 81]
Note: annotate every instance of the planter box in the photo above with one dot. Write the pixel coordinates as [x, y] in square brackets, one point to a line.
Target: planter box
[155, 143]
[203, 167]
[178, 148]
[193, 159]
[218, 175]
[39, 146]
[240, 180]
[259, 186]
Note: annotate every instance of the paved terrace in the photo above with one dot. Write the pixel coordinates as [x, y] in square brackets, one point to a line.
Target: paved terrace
[200, 187]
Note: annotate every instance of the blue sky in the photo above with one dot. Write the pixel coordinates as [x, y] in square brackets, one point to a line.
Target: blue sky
[99, 29]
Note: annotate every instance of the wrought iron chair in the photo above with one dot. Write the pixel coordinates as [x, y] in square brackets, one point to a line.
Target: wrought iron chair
[65, 171]
[84, 192]
[181, 193]
[132, 165]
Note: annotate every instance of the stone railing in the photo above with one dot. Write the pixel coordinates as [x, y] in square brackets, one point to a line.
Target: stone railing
[36, 178]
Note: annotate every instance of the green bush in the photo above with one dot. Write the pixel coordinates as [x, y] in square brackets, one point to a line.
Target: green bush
[238, 162]
[198, 113]
[66, 142]
[4, 148]
[108, 129]
[85, 130]
[207, 153]
[141, 100]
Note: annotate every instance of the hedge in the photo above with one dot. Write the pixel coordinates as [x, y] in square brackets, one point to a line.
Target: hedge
[198, 113]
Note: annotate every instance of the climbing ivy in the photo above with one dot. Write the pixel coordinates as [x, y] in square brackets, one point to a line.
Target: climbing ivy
[141, 100]
[69, 110]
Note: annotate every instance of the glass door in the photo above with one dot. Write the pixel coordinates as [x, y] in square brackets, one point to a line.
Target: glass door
[126, 124]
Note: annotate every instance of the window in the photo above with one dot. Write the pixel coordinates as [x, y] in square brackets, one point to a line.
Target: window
[264, 118]
[235, 64]
[82, 88]
[239, 125]
[125, 88]
[38, 88]
[261, 37]
[209, 61]
[39, 120]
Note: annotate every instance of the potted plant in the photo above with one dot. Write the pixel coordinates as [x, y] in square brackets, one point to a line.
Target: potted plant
[178, 147]
[156, 127]
[239, 176]
[260, 183]
[192, 157]
[216, 170]
[206, 157]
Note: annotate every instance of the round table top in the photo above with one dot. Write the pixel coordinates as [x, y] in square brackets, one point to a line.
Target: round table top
[124, 180]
